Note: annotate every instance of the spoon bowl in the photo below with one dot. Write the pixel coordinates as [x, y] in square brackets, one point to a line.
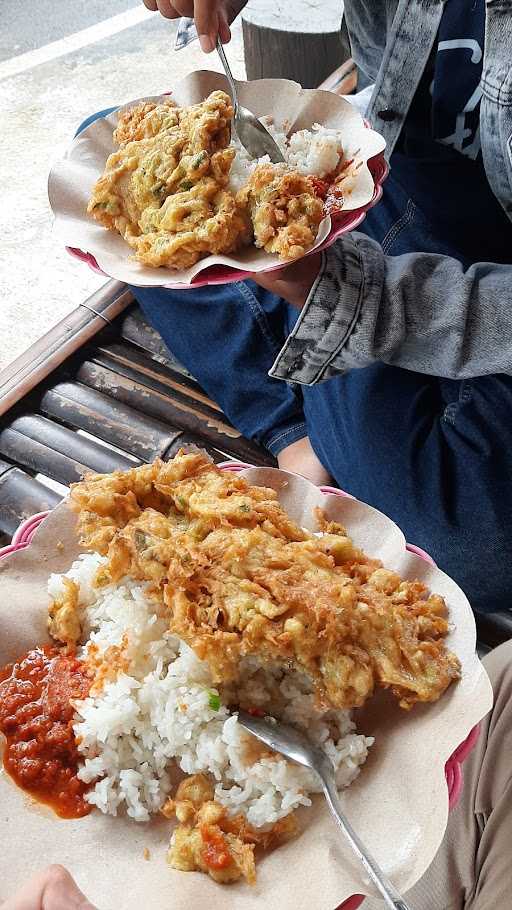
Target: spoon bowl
[251, 133]
[295, 745]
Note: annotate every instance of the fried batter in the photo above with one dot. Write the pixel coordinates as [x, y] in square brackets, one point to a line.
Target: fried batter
[64, 615]
[145, 120]
[164, 190]
[285, 210]
[207, 124]
[200, 219]
[239, 578]
[208, 840]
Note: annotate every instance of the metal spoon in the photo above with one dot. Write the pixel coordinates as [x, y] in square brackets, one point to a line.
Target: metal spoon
[296, 746]
[252, 134]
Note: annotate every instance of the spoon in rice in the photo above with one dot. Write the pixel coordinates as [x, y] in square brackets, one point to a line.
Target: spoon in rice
[255, 139]
[297, 747]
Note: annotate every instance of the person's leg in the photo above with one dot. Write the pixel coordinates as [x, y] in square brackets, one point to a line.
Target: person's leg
[228, 338]
[472, 868]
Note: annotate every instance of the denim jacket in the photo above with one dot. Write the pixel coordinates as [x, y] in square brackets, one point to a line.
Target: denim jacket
[421, 311]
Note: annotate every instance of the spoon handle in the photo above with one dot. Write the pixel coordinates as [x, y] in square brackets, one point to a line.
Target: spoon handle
[388, 891]
[227, 70]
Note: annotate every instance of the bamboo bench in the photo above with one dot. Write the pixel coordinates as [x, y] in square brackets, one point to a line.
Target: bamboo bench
[100, 391]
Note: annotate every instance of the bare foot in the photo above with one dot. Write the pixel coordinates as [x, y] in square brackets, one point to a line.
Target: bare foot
[299, 458]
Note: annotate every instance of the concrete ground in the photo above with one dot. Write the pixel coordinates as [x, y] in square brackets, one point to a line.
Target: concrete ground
[41, 108]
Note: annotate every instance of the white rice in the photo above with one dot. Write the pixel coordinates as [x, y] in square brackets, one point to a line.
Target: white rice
[316, 152]
[159, 716]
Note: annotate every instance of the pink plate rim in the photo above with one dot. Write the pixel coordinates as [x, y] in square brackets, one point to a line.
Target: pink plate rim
[453, 767]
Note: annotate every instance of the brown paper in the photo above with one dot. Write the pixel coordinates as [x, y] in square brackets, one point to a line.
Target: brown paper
[398, 804]
[73, 176]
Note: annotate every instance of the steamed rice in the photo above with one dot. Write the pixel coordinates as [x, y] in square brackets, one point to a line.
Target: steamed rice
[163, 712]
[316, 152]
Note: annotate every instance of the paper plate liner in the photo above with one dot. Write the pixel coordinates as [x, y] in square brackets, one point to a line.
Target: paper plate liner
[398, 804]
[73, 176]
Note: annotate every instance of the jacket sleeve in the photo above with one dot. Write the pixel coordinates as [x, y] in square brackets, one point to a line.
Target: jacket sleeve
[419, 311]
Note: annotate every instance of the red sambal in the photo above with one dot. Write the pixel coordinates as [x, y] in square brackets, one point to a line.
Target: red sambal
[215, 853]
[36, 718]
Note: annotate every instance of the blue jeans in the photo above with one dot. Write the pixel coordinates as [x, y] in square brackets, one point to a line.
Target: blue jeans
[433, 454]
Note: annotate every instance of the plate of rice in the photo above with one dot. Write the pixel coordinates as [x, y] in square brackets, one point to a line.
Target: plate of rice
[173, 800]
[165, 710]
[174, 226]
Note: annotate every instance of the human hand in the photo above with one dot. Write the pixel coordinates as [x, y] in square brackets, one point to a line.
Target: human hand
[53, 889]
[294, 282]
[212, 17]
